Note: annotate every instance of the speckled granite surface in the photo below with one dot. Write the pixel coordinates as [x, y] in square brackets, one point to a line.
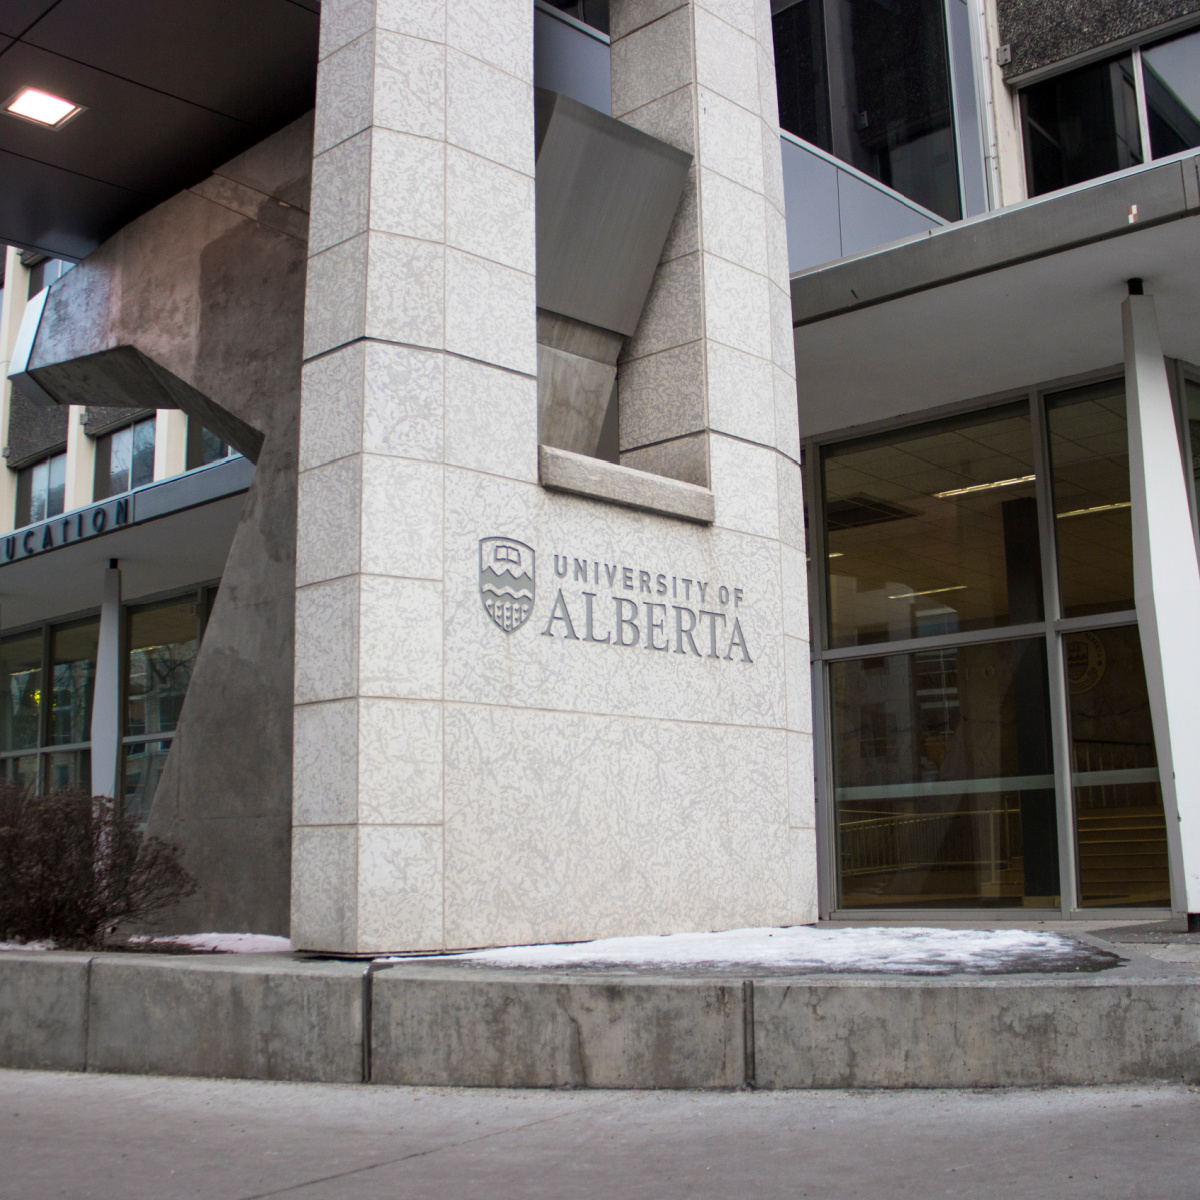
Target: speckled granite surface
[1042, 32]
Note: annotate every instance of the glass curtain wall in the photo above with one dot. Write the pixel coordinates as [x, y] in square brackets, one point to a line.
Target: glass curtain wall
[870, 83]
[950, 664]
[45, 733]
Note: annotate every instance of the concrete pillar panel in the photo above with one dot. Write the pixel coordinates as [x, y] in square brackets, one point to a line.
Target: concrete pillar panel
[524, 715]
[1166, 589]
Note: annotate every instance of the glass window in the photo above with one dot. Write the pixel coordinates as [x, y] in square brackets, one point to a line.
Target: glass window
[590, 12]
[21, 679]
[1119, 824]
[800, 72]
[1081, 125]
[69, 769]
[933, 530]
[144, 763]
[204, 446]
[1171, 71]
[943, 778]
[73, 669]
[124, 459]
[41, 490]
[889, 100]
[161, 652]
[1089, 454]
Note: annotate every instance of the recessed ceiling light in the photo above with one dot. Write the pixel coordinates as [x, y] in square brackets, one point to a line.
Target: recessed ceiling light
[42, 108]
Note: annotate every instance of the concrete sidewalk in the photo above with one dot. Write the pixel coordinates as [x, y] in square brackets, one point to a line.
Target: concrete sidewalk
[71, 1136]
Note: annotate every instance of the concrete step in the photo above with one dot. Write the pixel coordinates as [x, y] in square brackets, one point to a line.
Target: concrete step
[278, 1017]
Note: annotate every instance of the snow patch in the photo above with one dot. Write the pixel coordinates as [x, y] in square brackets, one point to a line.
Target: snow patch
[26, 946]
[222, 943]
[899, 950]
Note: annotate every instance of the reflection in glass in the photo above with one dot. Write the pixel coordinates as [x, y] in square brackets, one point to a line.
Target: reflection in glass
[161, 653]
[1080, 125]
[204, 446]
[1089, 453]
[1191, 395]
[144, 763]
[1119, 826]
[943, 778]
[1171, 71]
[933, 530]
[41, 490]
[20, 770]
[72, 768]
[21, 681]
[124, 459]
[73, 669]
[870, 83]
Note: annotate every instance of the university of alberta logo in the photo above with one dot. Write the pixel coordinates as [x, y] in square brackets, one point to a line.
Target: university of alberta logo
[506, 581]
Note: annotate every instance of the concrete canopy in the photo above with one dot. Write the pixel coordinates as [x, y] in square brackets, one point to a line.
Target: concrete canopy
[1017, 298]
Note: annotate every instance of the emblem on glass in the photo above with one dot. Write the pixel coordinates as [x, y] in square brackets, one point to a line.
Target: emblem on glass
[506, 581]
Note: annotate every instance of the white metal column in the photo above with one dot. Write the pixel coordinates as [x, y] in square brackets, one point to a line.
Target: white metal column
[106, 705]
[1166, 589]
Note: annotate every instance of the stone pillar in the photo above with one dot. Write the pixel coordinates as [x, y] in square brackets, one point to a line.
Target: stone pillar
[523, 715]
[106, 705]
[708, 382]
[420, 350]
[1166, 589]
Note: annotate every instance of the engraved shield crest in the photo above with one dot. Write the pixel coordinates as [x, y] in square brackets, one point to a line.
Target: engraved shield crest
[506, 581]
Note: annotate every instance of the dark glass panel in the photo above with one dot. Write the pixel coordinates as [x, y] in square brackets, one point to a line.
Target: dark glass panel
[800, 76]
[1089, 454]
[21, 698]
[144, 763]
[1080, 125]
[895, 118]
[943, 778]
[1171, 71]
[590, 12]
[933, 530]
[73, 667]
[203, 446]
[24, 515]
[162, 651]
[1119, 824]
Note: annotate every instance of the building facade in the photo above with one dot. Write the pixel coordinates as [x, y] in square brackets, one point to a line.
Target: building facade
[490, 474]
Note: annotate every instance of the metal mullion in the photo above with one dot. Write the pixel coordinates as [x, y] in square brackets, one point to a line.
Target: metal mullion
[1139, 88]
[1112, 620]
[818, 569]
[1056, 676]
[943, 641]
[964, 916]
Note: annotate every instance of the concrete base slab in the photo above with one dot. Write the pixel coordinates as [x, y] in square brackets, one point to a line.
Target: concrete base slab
[283, 1018]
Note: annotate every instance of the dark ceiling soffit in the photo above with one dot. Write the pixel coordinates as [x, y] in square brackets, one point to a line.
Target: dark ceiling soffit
[1006, 238]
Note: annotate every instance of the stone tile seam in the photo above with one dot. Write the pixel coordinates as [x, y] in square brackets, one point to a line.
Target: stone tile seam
[367, 338]
[368, 229]
[594, 714]
[654, 21]
[445, 45]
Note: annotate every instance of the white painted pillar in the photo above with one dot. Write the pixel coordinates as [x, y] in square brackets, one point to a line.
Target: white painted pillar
[106, 706]
[1166, 589]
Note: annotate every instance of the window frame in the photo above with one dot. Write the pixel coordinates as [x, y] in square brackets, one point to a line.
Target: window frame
[1132, 46]
[1054, 627]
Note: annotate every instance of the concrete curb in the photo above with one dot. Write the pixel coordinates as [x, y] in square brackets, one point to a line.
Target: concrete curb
[276, 1017]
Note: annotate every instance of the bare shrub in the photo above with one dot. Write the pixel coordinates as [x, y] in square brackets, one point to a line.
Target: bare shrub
[74, 866]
